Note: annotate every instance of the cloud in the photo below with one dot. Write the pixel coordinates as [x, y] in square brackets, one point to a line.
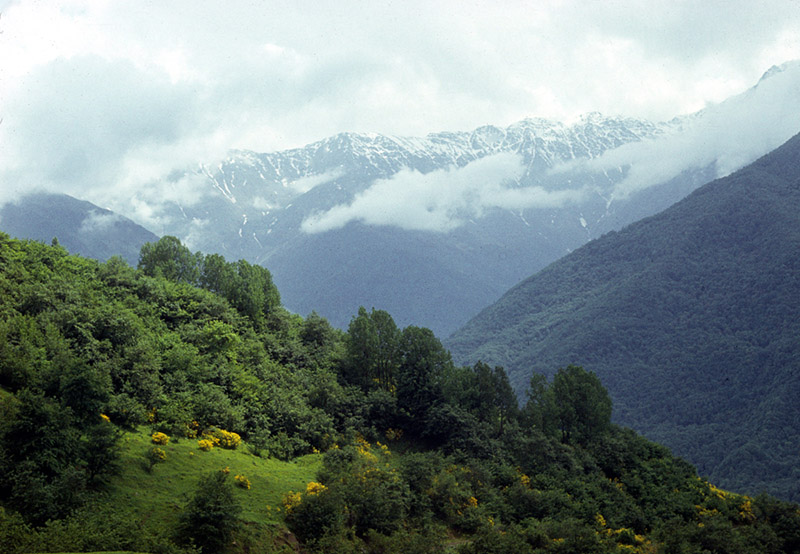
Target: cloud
[729, 135]
[102, 99]
[442, 200]
[98, 221]
[75, 120]
[305, 184]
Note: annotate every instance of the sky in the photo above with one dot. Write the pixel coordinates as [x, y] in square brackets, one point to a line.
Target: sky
[103, 98]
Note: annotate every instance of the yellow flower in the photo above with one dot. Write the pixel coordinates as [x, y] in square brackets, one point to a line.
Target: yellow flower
[600, 520]
[242, 481]
[205, 445]
[291, 501]
[315, 488]
[160, 438]
[105, 418]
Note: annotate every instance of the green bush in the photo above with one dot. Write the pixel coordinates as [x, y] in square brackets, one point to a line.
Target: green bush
[212, 516]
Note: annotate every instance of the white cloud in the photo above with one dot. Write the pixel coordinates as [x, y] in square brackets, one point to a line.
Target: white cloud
[731, 135]
[441, 200]
[305, 184]
[99, 221]
[100, 96]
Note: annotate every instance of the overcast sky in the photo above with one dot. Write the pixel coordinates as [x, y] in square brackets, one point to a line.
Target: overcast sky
[96, 93]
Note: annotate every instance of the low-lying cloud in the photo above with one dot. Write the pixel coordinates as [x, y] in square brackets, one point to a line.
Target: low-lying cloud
[441, 200]
[305, 184]
[729, 135]
[98, 221]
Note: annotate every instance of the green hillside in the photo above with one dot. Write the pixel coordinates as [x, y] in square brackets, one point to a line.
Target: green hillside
[178, 408]
[691, 319]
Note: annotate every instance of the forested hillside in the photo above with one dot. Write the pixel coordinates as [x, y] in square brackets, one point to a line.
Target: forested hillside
[691, 318]
[178, 407]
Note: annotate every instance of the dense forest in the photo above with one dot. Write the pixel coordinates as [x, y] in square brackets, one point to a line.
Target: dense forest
[690, 318]
[177, 407]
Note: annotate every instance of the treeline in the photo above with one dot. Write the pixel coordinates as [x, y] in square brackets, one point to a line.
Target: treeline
[417, 453]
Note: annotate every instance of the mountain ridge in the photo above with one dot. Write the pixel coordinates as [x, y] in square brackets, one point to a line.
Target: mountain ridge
[690, 318]
[80, 226]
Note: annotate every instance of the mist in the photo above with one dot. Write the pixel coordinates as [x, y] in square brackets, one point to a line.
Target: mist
[442, 200]
[729, 135]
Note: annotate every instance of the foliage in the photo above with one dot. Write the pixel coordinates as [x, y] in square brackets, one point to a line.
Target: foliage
[100, 363]
[160, 438]
[212, 516]
[689, 318]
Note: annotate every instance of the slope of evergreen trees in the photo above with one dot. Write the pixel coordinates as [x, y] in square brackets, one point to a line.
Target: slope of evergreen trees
[418, 454]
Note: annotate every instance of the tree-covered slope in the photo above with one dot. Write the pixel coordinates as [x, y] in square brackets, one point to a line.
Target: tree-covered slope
[178, 406]
[691, 318]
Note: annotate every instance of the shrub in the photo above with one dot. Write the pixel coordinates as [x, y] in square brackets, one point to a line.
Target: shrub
[228, 439]
[242, 481]
[222, 438]
[154, 456]
[314, 516]
[160, 438]
[205, 444]
[212, 516]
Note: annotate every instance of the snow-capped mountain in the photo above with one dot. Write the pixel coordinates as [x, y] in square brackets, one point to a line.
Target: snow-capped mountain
[262, 207]
[433, 229]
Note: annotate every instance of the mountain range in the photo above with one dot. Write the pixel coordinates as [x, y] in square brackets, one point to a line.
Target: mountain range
[691, 318]
[434, 229]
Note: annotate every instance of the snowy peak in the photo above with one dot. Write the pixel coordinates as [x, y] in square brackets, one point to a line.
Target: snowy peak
[380, 156]
[793, 65]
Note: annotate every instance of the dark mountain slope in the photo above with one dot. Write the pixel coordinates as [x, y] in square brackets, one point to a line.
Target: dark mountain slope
[80, 226]
[691, 318]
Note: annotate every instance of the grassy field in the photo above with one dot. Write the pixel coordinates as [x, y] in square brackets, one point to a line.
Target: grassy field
[157, 497]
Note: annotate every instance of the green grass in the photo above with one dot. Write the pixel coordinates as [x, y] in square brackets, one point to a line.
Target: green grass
[161, 494]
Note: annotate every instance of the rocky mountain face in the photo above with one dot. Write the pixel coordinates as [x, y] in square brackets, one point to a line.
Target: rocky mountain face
[434, 229]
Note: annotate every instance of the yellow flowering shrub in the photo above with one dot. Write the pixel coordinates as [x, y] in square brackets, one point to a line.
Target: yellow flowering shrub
[229, 439]
[292, 500]
[315, 488]
[105, 418]
[222, 438]
[205, 445]
[746, 510]
[160, 438]
[394, 434]
[190, 430]
[154, 456]
[242, 481]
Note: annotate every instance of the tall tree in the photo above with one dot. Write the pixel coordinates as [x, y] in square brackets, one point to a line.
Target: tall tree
[170, 259]
[372, 354]
[423, 361]
[582, 405]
